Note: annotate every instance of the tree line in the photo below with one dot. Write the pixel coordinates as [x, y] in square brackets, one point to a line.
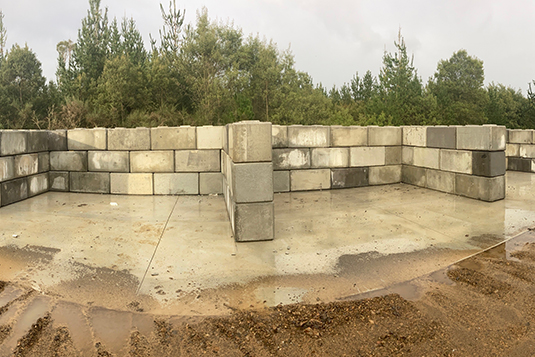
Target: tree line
[209, 72]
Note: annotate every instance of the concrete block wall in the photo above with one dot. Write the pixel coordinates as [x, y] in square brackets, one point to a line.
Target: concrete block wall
[520, 150]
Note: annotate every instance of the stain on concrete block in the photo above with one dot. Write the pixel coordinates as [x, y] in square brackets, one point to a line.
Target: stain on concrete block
[210, 137]
[87, 139]
[197, 161]
[367, 156]
[414, 135]
[14, 191]
[253, 221]
[7, 168]
[210, 183]
[384, 136]
[131, 184]
[483, 138]
[58, 181]
[350, 177]
[393, 155]
[279, 136]
[519, 164]
[407, 155]
[281, 181]
[68, 160]
[414, 175]
[488, 163]
[250, 141]
[426, 157]
[520, 136]
[57, 140]
[176, 184]
[152, 161]
[121, 139]
[456, 161]
[37, 141]
[487, 189]
[176, 138]
[381, 175]
[37, 184]
[512, 150]
[311, 136]
[109, 161]
[287, 159]
[89, 182]
[252, 182]
[440, 180]
[26, 165]
[527, 151]
[444, 137]
[329, 157]
[349, 135]
[43, 162]
[13, 142]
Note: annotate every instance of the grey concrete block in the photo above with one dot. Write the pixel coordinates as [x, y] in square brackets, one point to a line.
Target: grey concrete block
[176, 184]
[210, 137]
[108, 161]
[254, 222]
[414, 135]
[43, 162]
[520, 136]
[37, 141]
[87, 139]
[527, 151]
[440, 180]
[279, 136]
[131, 184]
[426, 157]
[7, 168]
[329, 157]
[414, 175]
[26, 165]
[14, 191]
[89, 182]
[381, 175]
[58, 180]
[306, 180]
[68, 160]
[488, 163]
[37, 184]
[57, 140]
[444, 137]
[310, 136]
[250, 141]
[153, 161]
[121, 139]
[210, 183]
[367, 156]
[384, 136]
[393, 155]
[252, 182]
[175, 138]
[350, 177]
[487, 189]
[483, 138]
[197, 161]
[286, 159]
[281, 181]
[13, 142]
[349, 136]
[512, 150]
[456, 161]
[407, 155]
[519, 164]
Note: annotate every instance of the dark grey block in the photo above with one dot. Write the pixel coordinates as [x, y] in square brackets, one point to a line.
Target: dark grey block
[519, 164]
[58, 180]
[351, 177]
[442, 137]
[413, 175]
[488, 163]
[37, 141]
[90, 182]
[14, 191]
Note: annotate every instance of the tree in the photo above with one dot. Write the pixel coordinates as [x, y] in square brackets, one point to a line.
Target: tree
[505, 106]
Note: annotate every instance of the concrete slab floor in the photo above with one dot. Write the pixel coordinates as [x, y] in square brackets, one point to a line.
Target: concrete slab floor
[176, 255]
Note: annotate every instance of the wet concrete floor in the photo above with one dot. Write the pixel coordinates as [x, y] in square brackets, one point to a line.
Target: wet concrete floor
[176, 255]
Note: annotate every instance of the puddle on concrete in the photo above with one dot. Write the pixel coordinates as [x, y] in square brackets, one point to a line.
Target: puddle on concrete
[111, 328]
[71, 316]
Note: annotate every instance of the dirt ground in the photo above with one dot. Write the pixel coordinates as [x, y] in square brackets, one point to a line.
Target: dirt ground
[483, 306]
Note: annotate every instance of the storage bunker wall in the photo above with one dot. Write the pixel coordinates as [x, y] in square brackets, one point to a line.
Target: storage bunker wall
[521, 150]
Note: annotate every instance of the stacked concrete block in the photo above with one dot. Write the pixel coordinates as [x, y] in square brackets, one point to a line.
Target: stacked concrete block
[345, 136]
[384, 136]
[176, 183]
[306, 180]
[197, 161]
[176, 138]
[279, 135]
[131, 183]
[87, 139]
[122, 139]
[89, 182]
[210, 183]
[520, 150]
[153, 161]
[314, 136]
[210, 137]
[108, 161]
[59, 181]
[68, 160]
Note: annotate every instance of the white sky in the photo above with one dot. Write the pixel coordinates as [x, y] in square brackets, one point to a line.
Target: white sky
[331, 40]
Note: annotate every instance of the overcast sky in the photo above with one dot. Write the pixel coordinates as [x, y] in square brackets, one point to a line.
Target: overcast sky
[331, 40]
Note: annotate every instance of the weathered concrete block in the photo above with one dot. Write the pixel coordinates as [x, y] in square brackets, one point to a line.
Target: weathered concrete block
[281, 181]
[225, 139]
[197, 161]
[440, 180]
[109, 161]
[13, 142]
[14, 191]
[306, 180]
[456, 161]
[520, 136]
[444, 137]
[252, 182]
[210, 183]
[57, 140]
[349, 136]
[37, 141]
[286, 159]
[330, 157]
[129, 139]
[519, 164]
[393, 155]
[311, 136]
[7, 168]
[210, 137]
[407, 155]
[350, 177]
[37, 184]
[131, 184]
[26, 165]
[279, 136]
[58, 180]
[488, 189]
[176, 184]
[43, 162]
[512, 150]
[176, 138]
[426, 157]
[381, 175]
[484, 138]
[414, 175]
[87, 139]
[89, 182]
[249, 141]
[68, 160]
[488, 163]
[384, 136]
[367, 156]
[254, 221]
[527, 151]
[153, 161]
[414, 135]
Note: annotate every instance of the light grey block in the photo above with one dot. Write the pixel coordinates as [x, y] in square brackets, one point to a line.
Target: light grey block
[250, 141]
[131, 184]
[252, 182]
[254, 221]
[483, 138]
[176, 184]
[281, 181]
[7, 168]
[291, 158]
[456, 161]
[37, 141]
[14, 191]
[441, 181]
[349, 135]
[152, 161]
[520, 136]
[310, 136]
[87, 139]
[426, 157]
[512, 150]
[58, 180]
[37, 184]
[89, 182]
[197, 161]
[279, 136]
[413, 175]
[384, 136]
[407, 155]
[175, 138]
[329, 157]
[488, 189]
[68, 160]
[414, 135]
[210, 183]
[306, 180]
[121, 139]
[381, 175]
[13, 142]
[44, 162]
[527, 151]
[26, 165]
[109, 161]
[57, 140]
[210, 137]
[393, 155]
[367, 156]
[444, 137]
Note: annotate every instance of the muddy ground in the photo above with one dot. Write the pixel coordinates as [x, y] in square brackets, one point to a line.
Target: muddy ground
[483, 306]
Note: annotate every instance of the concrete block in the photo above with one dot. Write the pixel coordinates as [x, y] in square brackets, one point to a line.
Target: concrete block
[287, 159]
[512, 150]
[254, 221]
[381, 175]
[484, 138]
[43, 162]
[393, 155]
[520, 136]
[68, 160]
[252, 182]
[414, 175]
[37, 141]
[350, 177]
[426, 157]
[306, 180]
[176, 184]
[533, 165]
[367, 156]
[89, 182]
[13, 142]
[310, 136]
[58, 180]
[225, 139]
[7, 168]
[249, 141]
[281, 181]
[129, 139]
[26, 165]
[349, 136]
[488, 189]
[37, 184]
[384, 136]
[210, 137]
[109, 161]
[176, 138]
[456, 161]
[153, 161]
[131, 184]
[279, 136]
[14, 191]
[210, 183]
[440, 180]
[407, 155]
[329, 157]
[57, 140]
[444, 137]
[414, 135]
[488, 163]
[197, 161]
[519, 164]
[527, 151]
[87, 139]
